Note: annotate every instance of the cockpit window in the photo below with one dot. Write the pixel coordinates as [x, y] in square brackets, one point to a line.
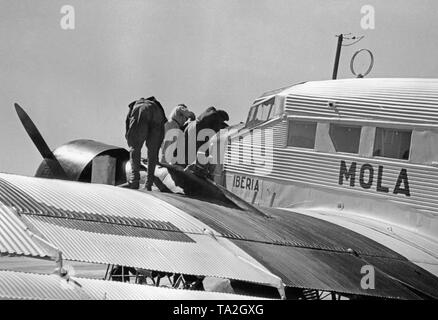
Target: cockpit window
[392, 143]
[252, 111]
[263, 111]
[260, 112]
[301, 134]
[345, 138]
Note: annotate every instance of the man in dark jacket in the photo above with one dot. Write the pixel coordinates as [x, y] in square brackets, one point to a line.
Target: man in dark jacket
[144, 123]
[210, 119]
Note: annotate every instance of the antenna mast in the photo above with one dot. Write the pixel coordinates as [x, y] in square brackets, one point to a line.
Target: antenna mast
[341, 38]
[338, 55]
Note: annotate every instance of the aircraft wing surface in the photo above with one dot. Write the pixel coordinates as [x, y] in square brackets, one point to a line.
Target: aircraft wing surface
[111, 225]
[178, 234]
[308, 252]
[417, 248]
[21, 285]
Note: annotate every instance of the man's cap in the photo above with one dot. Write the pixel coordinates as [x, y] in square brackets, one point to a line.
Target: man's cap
[223, 114]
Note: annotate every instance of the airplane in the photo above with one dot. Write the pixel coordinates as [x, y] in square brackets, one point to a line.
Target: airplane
[326, 192]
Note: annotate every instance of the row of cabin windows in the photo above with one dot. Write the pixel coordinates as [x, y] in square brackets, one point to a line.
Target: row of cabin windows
[389, 143]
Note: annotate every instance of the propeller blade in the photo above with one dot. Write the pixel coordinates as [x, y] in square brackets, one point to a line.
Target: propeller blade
[41, 145]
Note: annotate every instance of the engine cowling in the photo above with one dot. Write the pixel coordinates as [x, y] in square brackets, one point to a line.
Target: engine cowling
[76, 158]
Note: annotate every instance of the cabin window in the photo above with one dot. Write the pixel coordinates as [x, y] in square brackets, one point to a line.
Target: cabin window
[345, 138]
[392, 143]
[301, 134]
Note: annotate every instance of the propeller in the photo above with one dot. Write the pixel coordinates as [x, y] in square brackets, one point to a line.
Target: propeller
[43, 148]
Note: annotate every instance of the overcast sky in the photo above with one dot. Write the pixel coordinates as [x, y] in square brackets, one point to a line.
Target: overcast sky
[77, 83]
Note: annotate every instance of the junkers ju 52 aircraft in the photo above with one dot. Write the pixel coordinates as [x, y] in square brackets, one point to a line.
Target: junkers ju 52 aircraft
[327, 191]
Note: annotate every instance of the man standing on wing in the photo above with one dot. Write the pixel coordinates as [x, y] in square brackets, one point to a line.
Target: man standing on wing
[144, 124]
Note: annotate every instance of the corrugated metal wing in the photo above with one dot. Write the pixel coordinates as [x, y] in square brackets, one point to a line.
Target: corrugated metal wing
[14, 239]
[126, 291]
[20, 285]
[311, 253]
[110, 225]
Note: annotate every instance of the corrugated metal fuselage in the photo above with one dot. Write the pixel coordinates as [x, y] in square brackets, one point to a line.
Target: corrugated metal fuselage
[263, 168]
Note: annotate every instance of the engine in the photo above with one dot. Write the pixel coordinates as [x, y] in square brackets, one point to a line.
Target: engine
[88, 161]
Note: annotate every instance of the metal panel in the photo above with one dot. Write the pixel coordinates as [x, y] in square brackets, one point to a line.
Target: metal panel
[125, 291]
[116, 229]
[14, 239]
[56, 198]
[206, 256]
[20, 285]
[418, 249]
[409, 100]
[170, 240]
[311, 253]
[333, 271]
